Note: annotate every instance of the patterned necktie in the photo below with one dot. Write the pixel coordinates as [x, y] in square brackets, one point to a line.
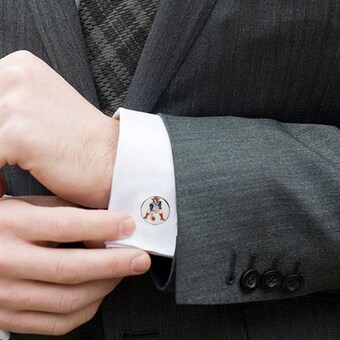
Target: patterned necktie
[115, 32]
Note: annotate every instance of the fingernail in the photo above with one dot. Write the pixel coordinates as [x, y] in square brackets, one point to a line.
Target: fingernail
[127, 227]
[140, 263]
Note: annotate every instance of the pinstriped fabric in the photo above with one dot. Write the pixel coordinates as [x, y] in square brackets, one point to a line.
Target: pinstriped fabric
[115, 32]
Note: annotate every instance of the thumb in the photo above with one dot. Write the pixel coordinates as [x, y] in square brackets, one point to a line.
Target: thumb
[3, 186]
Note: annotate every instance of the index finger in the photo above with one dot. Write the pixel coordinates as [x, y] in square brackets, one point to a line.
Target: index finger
[67, 224]
[74, 266]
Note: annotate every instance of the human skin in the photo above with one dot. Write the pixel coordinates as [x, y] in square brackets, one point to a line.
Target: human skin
[51, 291]
[49, 129]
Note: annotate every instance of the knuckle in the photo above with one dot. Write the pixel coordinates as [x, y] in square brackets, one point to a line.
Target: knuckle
[114, 268]
[6, 221]
[64, 305]
[6, 105]
[17, 75]
[78, 301]
[60, 328]
[69, 323]
[6, 294]
[90, 311]
[63, 225]
[10, 105]
[8, 320]
[68, 304]
[65, 272]
[5, 264]
[15, 134]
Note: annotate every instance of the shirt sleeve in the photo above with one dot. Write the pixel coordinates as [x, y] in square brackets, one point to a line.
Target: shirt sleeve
[144, 183]
[4, 335]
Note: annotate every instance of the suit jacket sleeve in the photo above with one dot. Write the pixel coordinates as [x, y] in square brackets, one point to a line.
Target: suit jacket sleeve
[253, 189]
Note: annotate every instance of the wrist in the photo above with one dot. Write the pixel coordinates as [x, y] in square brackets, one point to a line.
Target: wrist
[106, 160]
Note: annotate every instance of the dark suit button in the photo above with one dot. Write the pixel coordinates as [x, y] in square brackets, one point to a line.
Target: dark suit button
[271, 279]
[292, 283]
[250, 280]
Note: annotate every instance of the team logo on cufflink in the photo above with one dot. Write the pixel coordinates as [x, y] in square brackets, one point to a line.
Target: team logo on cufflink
[155, 210]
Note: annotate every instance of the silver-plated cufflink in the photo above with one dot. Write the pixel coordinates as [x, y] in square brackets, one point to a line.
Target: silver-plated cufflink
[155, 210]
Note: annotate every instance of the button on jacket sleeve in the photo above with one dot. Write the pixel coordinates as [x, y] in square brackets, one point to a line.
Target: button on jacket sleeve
[256, 153]
[258, 188]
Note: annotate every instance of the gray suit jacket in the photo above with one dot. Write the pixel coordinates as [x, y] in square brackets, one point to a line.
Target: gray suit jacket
[248, 91]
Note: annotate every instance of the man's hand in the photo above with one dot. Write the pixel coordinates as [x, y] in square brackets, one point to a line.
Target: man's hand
[51, 291]
[48, 128]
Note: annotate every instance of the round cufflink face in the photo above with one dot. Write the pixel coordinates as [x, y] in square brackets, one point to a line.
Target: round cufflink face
[155, 210]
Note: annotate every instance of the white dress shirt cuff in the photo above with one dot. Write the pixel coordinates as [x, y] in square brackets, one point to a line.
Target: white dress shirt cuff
[144, 183]
[4, 335]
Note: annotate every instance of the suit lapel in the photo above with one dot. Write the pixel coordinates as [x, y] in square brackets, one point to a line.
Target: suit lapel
[59, 28]
[175, 28]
